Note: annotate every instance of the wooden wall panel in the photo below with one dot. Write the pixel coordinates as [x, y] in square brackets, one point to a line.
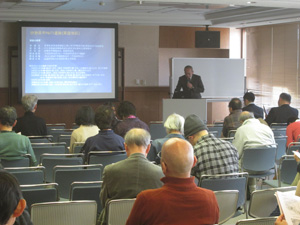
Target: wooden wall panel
[184, 37]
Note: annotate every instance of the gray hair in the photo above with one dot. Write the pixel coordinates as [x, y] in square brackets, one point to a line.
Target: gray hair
[246, 115]
[174, 122]
[137, 136]
[29, 102]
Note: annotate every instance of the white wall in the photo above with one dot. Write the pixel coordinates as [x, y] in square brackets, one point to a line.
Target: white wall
[141, 54]
[235, 43]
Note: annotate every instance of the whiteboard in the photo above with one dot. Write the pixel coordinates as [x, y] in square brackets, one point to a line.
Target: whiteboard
[222, 78]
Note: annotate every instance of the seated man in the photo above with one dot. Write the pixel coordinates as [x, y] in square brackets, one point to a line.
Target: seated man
[29, 124]
[106, 139]
[283, 112]
[12, 144]
[127, 178]
[179, 201]
[174, 127]
[251, 132]
[249, 98]
[214, 155]
[12, 204]
[127, 113]
[232, 122]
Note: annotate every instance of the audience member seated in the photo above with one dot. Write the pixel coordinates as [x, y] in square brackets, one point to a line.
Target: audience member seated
[12, 203]
[292, 130]
[174, 127]
[127, 113]
[231, 122]
[251, 132]
[12, 144]
[85, 119]
[115, 120]
[127, 178]
[249, 98]
[283, 112]
[30, 124]
[179, 201]
[214, 155]
[106, 139]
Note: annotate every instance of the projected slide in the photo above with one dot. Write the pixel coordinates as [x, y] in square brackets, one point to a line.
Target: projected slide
[73, 61]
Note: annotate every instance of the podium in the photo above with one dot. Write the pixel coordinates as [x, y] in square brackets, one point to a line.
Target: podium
[208, 110]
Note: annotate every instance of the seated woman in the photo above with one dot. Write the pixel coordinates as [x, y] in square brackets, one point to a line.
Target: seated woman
[85, 118]
[292, 130]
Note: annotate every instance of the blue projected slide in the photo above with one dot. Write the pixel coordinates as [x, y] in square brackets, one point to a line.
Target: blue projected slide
[68, 62]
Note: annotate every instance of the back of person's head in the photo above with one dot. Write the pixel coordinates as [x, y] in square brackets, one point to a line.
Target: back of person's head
[29, 102]
[192, 125]
[235, 103]
[177, 158]
[249, 96]
[11, 204]
[8, 116]
[85, 116]
[286, 97]
[126, 109]
[245, 115]
[137, 137]
[174, 122]
[104, 117]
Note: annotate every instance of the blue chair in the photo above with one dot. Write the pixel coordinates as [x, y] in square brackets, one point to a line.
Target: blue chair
[287, 171]
[293, 146]
[49, 161]
[88, 190]
[77, 146]
[279, 131]
[51, 148]
[231, 133]
[41, 139]
[65, 138]
[258, 221]
[281, 147]
[28, 175]
[259, 160]
[232, 181]
[218, 128]
[157, 129]
[66, 175]
[15, 161]
[106, 157]
[57, 132]
[55, 126]
[38, 193]
[278, 125]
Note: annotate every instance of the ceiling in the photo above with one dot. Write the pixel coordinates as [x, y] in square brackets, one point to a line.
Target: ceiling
[217, 13]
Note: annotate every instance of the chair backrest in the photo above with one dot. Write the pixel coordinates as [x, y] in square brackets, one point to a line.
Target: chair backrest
[119, 210]
[38, 193]
[41, 139]
[217, 128]
[229, 139]
[278, 125]
[231, 133]
[258, 221]
[157, 129]
[15, 161]
[89, 190]
[281, 147]
[77, 146]
[264, 202]
[287, 169]
[28, 175]
[51, 148]
[106, 157]
[49, 161]
[65, 138]
[59, 213]
[55, 126]
[279, 131]
[265, 161]
[293, 146]
[66, 175]
[227, 201]
[233, 181]
[56, 132]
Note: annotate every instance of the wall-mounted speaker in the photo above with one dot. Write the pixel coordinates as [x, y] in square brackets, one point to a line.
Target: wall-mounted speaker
[207, 39]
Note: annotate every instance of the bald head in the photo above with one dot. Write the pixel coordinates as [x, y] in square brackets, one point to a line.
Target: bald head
[177, 158]
[245, 115]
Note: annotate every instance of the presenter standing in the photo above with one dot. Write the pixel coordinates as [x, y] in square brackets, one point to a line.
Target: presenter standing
[190, 83]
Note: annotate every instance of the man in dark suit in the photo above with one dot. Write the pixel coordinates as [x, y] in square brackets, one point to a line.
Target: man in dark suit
[249, 98]
[127, 178]
[190, 83]
[282, 113]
